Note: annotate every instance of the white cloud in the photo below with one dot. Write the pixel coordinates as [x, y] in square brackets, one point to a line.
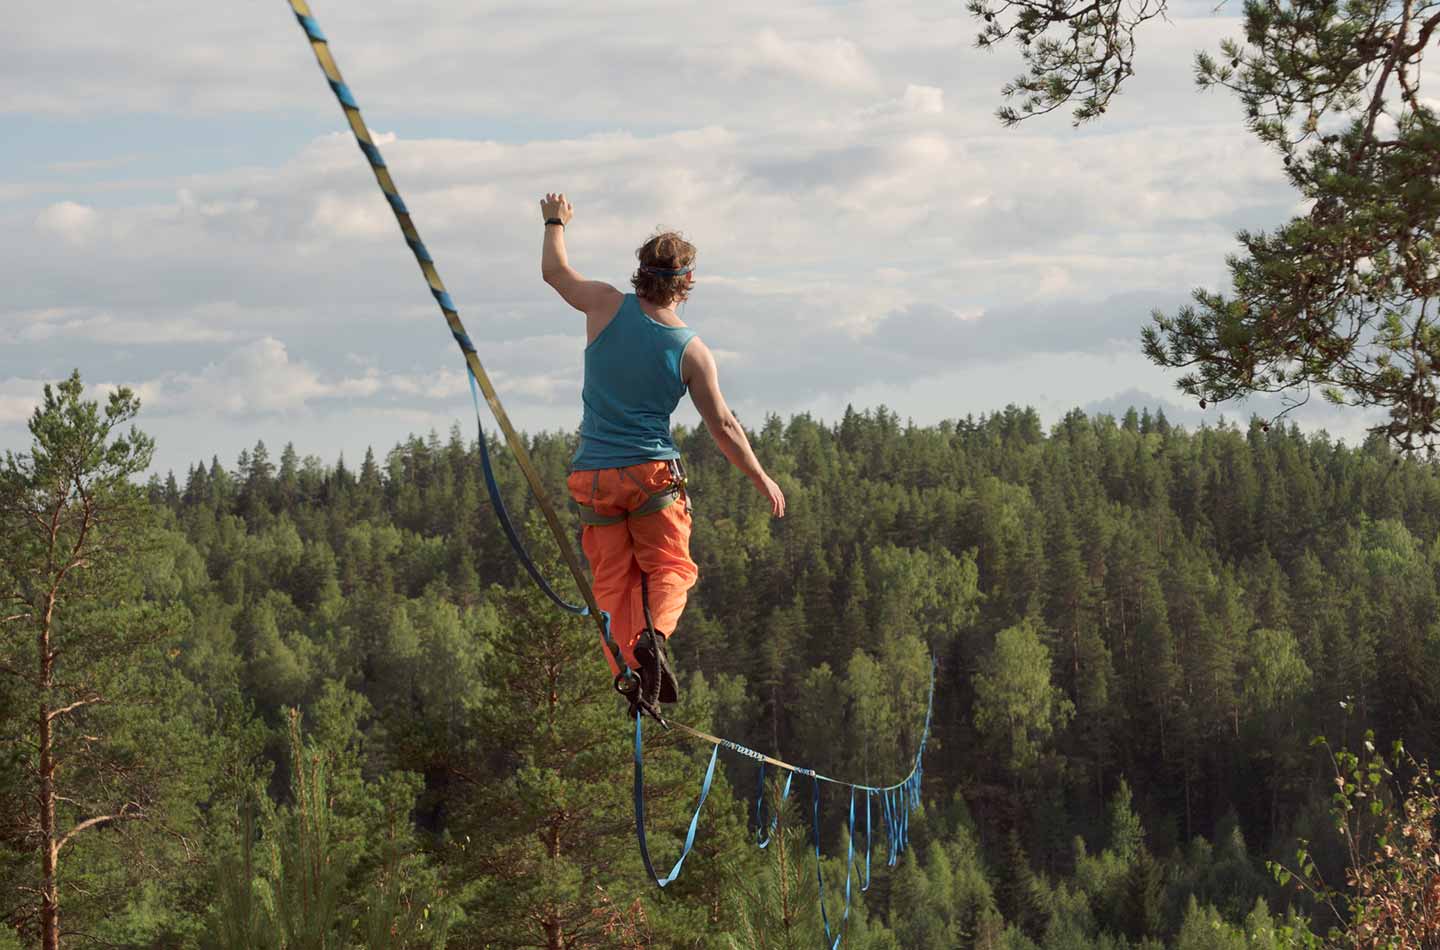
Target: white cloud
[917, 100]
[71, 221]
[99, 326]
[446, 384]
[18, 399]
[258, 377]
[838, 166]
[929, 100]
[833, 61]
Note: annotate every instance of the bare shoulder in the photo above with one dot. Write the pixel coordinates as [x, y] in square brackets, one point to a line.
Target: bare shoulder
[591, 297]
[697, 361]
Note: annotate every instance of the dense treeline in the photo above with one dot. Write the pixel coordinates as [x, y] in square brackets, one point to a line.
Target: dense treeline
[1139, 631]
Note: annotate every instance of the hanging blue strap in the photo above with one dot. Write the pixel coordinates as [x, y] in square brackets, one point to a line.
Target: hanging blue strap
[503, 514]
[868, 793]
[760, 823]
[640, 808]
[762, 827]
[904, 824]
[849, 866]
[889, 828]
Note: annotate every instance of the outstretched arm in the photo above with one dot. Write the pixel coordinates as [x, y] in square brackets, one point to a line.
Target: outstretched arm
[697, 369]
[587, 296]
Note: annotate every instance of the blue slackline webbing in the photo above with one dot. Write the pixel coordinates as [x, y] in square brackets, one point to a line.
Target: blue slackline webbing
[762, 833]
[640, 808]
[503, 514]
[867, 842]
[892, 834]
[849, 865]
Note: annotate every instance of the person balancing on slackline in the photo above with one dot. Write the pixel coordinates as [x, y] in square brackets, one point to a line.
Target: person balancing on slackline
[626, 477]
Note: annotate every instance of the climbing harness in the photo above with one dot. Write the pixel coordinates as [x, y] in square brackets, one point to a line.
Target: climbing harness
[897, 800]
[657, 501]
[653, 683]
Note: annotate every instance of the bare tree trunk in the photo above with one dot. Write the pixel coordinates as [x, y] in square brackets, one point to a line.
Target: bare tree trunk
[49, 853]
[554, 927]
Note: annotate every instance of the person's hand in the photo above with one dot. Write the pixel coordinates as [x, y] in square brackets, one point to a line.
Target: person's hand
[772, 492]
[555, 206]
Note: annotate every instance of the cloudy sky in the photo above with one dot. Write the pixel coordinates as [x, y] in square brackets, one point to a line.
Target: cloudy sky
[183, 211]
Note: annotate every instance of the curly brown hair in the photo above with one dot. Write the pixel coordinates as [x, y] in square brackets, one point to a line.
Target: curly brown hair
[669, 251]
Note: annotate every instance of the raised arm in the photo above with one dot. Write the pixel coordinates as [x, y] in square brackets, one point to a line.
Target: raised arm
[590, 297]
[697, 369]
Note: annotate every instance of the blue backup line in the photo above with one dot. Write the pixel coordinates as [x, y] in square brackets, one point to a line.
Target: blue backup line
[503, 514]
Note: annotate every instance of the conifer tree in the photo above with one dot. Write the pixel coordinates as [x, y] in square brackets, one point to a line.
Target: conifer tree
[1144, 895]
[1016, 707]
[541, 824]
[1015, 891]
[1335, 299]
[83, 643]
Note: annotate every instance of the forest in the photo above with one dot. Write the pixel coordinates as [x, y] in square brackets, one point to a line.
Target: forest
[302, 705]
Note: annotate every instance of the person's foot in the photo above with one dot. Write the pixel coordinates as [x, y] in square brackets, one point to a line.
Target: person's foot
[657, 680]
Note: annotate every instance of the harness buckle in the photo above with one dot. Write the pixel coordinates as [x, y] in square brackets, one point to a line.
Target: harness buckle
[679, 483]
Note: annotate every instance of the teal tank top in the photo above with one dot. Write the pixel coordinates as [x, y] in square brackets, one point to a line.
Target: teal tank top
[632, 385]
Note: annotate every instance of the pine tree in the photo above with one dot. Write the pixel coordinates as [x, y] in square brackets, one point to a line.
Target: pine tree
[538, 825]
[1015, 891]
[87, 646]
[1016, 707]
[308, 887]
[1144, 895]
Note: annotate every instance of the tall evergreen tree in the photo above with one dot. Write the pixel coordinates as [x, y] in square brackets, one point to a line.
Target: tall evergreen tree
[84, 642]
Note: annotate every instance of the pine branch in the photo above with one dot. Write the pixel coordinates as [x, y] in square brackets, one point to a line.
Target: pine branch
[55, 713]
[124, 814]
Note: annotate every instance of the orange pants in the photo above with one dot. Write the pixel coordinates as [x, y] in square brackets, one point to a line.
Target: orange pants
[656, 544]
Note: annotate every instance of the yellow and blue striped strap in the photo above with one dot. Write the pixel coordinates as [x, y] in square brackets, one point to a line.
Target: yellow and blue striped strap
[321, 47]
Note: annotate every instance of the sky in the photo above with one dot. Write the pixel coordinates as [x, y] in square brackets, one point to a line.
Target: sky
[184, 212]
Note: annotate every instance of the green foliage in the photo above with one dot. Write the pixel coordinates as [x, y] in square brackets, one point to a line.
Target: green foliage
[1073, 52]
[323, 876]
[1389, 824]
[1016, 707]
[1340, 298]
[1336, 299]
[1173, 587]
[88, 622]
[1144, 894]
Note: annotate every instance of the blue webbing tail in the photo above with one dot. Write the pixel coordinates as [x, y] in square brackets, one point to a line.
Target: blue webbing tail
[849, 865]
[640, 808]
[762, 832]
